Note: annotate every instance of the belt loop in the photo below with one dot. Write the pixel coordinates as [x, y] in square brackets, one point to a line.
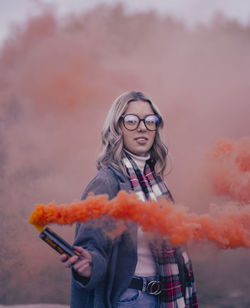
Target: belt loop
[144, 282]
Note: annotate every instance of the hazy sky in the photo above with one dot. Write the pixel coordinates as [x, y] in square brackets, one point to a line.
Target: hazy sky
[192, 11]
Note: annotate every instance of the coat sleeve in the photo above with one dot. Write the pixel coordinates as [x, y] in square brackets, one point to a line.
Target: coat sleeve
[91, 237]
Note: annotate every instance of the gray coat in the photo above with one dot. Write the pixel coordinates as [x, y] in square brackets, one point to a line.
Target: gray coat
[114, 261]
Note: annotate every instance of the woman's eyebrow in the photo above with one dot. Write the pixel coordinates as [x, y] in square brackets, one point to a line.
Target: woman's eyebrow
[138, 115]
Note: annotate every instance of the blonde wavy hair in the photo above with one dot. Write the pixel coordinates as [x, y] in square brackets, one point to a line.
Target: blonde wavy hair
[112, 142]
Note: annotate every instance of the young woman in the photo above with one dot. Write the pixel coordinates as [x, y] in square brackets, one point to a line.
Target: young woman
[131, 270]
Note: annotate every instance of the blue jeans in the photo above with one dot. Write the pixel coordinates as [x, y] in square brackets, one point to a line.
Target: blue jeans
[133, 298]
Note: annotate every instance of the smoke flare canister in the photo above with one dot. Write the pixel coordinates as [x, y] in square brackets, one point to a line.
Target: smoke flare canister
[57, 243]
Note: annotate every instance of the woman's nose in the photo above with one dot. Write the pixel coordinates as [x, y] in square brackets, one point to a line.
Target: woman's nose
[142, 126]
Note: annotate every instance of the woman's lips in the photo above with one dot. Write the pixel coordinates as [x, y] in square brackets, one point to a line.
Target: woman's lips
[141, 140]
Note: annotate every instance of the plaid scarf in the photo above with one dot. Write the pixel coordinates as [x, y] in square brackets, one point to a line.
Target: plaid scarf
[148, 186]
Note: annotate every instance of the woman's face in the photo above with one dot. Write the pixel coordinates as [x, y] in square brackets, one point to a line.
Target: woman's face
[140, 140]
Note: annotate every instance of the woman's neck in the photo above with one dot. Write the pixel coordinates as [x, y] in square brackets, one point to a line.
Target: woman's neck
[139, 160]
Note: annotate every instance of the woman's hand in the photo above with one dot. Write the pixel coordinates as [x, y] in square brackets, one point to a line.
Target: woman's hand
[81, 263]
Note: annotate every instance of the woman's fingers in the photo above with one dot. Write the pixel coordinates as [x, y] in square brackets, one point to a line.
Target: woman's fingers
[81, 263]
[71, 261]
[83, 252]
[64, 258]
[84, 269]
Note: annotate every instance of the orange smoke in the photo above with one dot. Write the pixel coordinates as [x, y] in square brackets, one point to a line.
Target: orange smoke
[230, 168]
[56, 79]
[229, 228]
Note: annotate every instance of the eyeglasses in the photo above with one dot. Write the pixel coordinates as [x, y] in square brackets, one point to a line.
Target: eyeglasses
[132, 121]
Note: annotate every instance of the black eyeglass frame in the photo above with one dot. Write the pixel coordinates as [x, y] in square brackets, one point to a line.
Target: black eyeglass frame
[143, 120]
